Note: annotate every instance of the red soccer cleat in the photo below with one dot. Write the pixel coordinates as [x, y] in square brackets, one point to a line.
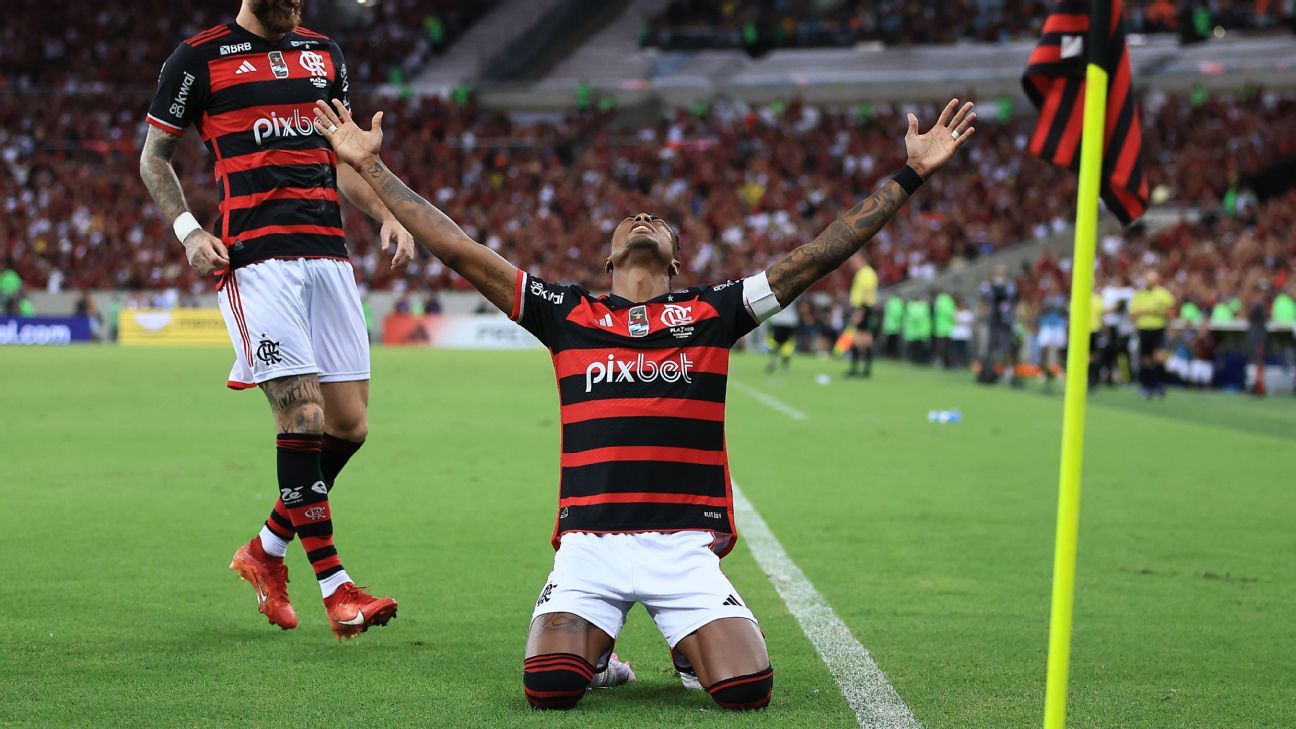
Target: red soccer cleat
[269, 577]
[351, 611]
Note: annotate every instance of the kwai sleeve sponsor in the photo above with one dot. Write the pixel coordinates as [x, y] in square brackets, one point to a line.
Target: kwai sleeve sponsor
[341, 89]
[742, 304]
[539, 306]
[181, 91]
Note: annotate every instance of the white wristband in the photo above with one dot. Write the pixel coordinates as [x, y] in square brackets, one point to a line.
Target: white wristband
[184, 225]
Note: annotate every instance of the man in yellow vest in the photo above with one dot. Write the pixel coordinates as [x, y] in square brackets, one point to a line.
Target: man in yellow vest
[863, 297]
[1150, 309]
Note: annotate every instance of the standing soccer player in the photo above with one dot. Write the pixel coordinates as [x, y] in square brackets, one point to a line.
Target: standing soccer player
[645, 510]
[286, 288]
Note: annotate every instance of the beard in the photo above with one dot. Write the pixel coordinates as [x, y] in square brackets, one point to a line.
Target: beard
[278, 16]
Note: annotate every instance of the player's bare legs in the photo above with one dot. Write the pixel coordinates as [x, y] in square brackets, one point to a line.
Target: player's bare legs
[346, 410]
[728, 657]
[561, 652]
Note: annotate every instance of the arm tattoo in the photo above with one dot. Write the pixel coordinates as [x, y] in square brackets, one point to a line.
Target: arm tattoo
[485, 269]
[359, 193]
[158, 174]
[847, 234]
[288, 397]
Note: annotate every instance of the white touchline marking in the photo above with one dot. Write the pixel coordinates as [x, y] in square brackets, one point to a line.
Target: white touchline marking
[770, 400]
[873, 699]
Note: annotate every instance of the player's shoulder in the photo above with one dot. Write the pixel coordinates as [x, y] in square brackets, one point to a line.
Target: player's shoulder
[305, 32]
[303, 35]
[207, 38]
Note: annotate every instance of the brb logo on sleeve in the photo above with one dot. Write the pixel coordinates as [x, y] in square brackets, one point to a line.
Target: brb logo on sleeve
[638, 370]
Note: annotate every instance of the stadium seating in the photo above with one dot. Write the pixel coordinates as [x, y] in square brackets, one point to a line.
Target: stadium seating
[745, 184]
[760, 25]
[76, 46]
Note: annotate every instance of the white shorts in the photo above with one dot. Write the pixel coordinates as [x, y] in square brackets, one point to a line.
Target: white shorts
[295, 316]
[1051, 336]
[675, 575]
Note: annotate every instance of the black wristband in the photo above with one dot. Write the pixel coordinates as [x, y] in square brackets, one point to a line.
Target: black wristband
[908, 179]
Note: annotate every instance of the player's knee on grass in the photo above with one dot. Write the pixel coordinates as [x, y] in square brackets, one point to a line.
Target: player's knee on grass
[744, 693]
[556, 680]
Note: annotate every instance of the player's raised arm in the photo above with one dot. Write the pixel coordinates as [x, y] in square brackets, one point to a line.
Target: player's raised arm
[927, 153]
[485, 269]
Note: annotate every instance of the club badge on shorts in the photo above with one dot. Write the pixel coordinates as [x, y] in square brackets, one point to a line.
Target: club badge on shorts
[278, 65]
[639, 321]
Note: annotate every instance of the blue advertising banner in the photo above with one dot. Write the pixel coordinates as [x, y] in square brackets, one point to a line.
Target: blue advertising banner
[44, 330]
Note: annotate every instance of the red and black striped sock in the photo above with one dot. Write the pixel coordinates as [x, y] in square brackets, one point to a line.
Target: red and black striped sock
[334, 454]
[305, 498]
[555, 680]
[744, 693]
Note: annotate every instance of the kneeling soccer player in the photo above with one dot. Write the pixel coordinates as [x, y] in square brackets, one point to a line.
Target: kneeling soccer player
[645, 509]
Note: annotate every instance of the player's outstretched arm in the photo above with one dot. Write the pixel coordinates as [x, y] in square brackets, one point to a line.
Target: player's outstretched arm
[205, 251]
[391, 231]
[927, 153]
[483, 268]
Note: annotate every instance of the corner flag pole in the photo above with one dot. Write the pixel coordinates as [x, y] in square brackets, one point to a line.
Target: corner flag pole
[1077, 371]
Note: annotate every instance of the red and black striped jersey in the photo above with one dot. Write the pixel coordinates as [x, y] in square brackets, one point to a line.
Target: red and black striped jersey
[642, 394]
[251, 100]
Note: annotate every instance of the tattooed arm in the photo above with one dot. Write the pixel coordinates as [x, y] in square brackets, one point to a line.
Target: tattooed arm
[482, 267]
[927, 153]
[391, 232]
[205, 251]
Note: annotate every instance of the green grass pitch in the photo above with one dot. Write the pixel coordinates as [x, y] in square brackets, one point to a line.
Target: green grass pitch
[130, 476]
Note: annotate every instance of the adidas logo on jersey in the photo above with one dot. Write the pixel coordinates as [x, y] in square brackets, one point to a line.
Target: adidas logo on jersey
[606, 321]
[245, 67]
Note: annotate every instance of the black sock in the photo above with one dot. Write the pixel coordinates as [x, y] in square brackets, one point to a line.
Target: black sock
[868, 359]
[301, 486]
[334, 454]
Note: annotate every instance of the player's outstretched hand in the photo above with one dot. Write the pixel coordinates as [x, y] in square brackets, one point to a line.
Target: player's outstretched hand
[928, 152]
[206, 253]
[394, 233]
[352, 144]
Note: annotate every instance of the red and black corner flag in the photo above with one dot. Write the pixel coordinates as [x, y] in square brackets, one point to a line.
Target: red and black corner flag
[1055, 83]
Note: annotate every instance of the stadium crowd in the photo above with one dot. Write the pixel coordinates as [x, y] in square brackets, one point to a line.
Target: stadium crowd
[760, 25]
[744, 184]
[1233, 270]
[86, 47]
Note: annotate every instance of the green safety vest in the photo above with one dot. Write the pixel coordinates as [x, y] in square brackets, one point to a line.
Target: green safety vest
[1190, 313]
[1284, 310]
[917, 324]
[893, 315]
[10, 282]
[945, 312]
